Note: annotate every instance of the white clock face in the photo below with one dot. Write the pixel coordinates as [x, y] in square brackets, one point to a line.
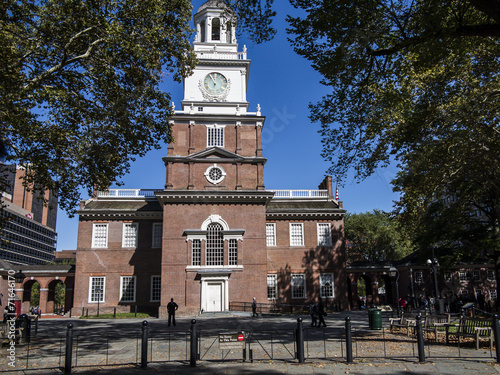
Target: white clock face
[215, 83]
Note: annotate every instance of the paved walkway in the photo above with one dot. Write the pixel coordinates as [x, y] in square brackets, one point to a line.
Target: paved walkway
[92, 330]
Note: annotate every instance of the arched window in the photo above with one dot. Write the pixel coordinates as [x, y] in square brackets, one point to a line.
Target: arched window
[216, 29]
[203, 31]
[215, 245]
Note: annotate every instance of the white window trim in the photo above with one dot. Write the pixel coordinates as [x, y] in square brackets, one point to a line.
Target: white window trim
[274, 233]
[462, 276]
[121, 289]
[275, 278]
[153, 245]
[318, 225]
[302, 231]
[490, 275]
[209, 179]
[216, 126]
[94, 233]
[333, 285]
[103, 289]
[304, 279]
[136, 225]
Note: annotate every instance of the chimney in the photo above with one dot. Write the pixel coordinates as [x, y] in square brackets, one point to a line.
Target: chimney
[327, 185]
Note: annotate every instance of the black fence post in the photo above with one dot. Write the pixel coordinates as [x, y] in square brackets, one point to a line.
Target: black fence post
[348, 339]
[69, 349]
[114, 312]
[496, 334]
[300, 341]
[144, 345]
[135, 311]
[193, 344]
[420, 339]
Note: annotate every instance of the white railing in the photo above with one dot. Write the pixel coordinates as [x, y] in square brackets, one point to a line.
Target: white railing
[297, 194]
[148, 193]
[219, 55]
[127, 193]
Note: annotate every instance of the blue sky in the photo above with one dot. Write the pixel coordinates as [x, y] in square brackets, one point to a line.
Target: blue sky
[284, 84]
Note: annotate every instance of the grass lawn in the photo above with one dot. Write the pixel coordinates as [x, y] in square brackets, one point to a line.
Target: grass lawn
[117, 316]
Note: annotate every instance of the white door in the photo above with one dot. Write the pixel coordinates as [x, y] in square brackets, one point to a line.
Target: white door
[214, 297]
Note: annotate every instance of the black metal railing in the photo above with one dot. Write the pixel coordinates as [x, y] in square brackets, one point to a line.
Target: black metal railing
[93, 347]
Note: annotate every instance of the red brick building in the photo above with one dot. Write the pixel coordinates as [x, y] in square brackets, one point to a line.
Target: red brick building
[214, 234]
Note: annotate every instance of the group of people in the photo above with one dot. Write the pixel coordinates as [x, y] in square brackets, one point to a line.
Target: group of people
[317, 313]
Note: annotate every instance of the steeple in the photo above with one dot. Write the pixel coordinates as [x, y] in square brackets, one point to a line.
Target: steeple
[218, 84]
[215, 25]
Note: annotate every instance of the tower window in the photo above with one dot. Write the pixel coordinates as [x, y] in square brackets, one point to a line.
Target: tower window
[215, 136]
[203, 31]
[216, 29]
[229, 36]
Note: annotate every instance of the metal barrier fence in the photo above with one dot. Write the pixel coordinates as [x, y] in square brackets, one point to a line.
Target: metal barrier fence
[143, 346]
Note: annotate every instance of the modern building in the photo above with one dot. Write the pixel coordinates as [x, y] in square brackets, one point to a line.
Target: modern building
[29, 233]
[213, 235]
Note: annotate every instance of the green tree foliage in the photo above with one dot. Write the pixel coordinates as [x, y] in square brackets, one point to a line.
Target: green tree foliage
[35, 294]
[79, 84]
[375, 236]
[416, 82]
[60, 295]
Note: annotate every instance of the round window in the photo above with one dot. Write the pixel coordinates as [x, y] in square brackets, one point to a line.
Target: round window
[215, 174]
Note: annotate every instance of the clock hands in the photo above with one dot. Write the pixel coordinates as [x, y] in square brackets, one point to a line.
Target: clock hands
[213, 79]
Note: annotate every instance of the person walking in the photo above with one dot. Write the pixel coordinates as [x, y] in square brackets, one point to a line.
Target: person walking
[313, 311]
[171, 308]
[321, 313]
[254, 307]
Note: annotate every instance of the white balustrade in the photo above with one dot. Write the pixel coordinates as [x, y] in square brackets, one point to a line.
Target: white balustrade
[148, 193]
[298, 194]
[219, 55]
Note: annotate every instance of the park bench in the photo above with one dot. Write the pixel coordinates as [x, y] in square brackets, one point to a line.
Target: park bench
[475, 328]
[436, 324]
[407, 321]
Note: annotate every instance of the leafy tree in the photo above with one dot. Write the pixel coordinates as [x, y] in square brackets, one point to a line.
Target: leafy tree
[60, 295]
[375, 236]
[35, 294]
[79, 84]
[416, 82]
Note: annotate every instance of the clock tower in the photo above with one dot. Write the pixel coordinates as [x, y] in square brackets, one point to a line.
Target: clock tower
[214, 201]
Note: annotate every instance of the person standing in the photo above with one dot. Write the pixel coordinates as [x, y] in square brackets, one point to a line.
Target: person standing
[321, 313]
[254, 307]
[171, 308]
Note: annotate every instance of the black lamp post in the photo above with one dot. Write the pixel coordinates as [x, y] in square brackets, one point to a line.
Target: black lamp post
[434, 264]
[395, 273]
[19, 277]
[99, 291]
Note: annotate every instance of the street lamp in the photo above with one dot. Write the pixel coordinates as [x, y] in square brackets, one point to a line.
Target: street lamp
[395, 273]
[19, 277]
[434, 264]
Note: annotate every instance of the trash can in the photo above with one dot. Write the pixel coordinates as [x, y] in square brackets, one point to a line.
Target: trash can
[375, 318]
[23, 323]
